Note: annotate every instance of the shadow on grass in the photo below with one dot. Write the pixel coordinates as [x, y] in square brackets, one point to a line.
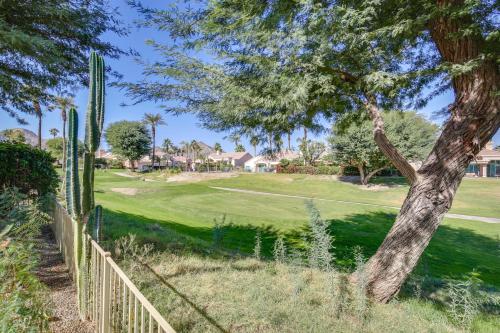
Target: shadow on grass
[394, 181]
[452, 253]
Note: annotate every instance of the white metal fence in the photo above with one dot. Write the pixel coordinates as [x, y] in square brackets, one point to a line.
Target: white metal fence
[111, 300]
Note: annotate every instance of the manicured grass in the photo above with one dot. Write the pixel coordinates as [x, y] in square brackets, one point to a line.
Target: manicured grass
[189, 210]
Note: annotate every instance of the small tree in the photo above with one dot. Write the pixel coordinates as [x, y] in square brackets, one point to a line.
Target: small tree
[129, 139]
[56, 148]
[354, 144]
[311, 150]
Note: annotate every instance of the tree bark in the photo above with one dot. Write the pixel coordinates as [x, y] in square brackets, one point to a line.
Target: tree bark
[38, 112]
[474, 119]
[369, 176]
[387, 148]
[361, 170]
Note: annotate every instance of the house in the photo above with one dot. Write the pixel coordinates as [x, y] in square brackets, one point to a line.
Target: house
[486, 163]
[180, 162]
[236, 159]
[264, 163]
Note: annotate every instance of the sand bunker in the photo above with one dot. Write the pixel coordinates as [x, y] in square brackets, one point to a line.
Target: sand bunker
[192, 177]
[125, 190]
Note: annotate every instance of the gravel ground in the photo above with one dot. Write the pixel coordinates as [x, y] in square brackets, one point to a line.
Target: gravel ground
[54, 273]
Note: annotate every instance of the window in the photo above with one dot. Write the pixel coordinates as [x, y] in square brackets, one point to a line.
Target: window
[472, 168]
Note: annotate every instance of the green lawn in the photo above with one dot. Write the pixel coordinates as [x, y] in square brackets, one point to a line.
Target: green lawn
[159, 210]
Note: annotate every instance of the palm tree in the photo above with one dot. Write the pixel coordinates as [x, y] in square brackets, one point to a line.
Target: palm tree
[154, 120]
[185, 149]
[64, 104]
[254, 141]
[167, 147]
[217, 147]
[195, 148]
[54, 132]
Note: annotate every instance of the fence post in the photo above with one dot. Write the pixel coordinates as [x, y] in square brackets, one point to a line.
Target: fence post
[106, 292]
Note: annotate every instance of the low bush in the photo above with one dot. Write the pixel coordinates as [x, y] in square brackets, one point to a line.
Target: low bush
[115, 164]
[28, 169]
[307, 169]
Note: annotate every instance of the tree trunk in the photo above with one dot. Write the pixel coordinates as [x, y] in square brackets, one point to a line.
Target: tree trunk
[361, 170]
[474, 119]
[305, 144]
[38, 112]
[153, 130]
[289, 137]
[373, 173]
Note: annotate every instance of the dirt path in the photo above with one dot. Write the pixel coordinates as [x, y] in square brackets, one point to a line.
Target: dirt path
[54, 273]
[451, 216]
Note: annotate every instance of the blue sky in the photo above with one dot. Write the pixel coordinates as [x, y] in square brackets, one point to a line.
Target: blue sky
[178, 128]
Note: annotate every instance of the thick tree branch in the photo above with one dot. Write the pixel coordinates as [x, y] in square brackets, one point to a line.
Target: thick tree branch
[389, 150]
[374, 172]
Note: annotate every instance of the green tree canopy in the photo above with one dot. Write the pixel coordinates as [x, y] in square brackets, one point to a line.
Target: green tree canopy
[353, 146]
[303, 61]
[44, 45]
[14, 135]
[55, 147]
[128, 139]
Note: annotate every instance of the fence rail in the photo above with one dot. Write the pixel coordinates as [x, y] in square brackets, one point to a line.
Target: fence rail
[111, 301]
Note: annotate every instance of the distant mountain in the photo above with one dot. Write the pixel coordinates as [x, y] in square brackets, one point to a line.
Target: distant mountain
[31, 137]
[206, 149]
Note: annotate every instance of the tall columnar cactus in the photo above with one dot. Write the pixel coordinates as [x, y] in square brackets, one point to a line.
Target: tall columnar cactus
[93, 129]
[72, 180]
[80, 206]
[97, 222]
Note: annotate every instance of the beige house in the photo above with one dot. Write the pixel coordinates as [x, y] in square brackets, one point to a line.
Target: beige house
[263, 163]
[236, 159]
[486, 163]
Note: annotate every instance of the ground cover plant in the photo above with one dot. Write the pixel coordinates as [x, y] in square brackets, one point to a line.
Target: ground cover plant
[207, 235]
[23, 298]
[289, 292]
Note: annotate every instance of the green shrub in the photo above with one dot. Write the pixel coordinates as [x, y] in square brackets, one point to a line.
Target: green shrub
[287, 166]
[115, 164]
[28, 169]
[101, 162]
